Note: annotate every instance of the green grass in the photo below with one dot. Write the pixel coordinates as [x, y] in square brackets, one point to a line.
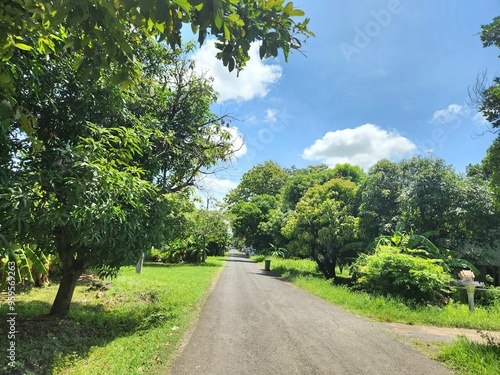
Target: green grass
[303, 273]
[462, 356]
[470, 358]
[132, 328]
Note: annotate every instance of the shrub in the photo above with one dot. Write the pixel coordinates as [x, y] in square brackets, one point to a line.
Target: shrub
[390, 272]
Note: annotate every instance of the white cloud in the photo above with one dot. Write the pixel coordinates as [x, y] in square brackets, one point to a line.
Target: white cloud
[363, 146]
[214, 188]
[449, 114]
[479, 119]
[239, 147]
[271, 115]
[253, 81]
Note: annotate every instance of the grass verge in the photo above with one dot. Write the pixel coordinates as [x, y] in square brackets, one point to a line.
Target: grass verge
[132, 328]
[470, 358]
[303, 273]
[463, 356]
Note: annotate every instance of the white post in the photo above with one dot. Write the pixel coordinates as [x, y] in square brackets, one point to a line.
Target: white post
[138, 267]
[470, 295]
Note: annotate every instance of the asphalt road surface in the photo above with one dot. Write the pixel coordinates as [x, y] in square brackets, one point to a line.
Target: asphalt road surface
[255, 323]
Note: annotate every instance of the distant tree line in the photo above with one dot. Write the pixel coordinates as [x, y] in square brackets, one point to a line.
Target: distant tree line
[333, 215]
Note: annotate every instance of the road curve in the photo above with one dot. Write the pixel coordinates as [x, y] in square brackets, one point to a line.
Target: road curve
[255, 323]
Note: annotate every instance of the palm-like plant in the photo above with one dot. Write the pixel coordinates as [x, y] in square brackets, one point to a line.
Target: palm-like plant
[26, 260]
[420, 245]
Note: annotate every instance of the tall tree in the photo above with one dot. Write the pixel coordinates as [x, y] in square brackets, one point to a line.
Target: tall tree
[487, 99]
[303, 179]
[248, 219]
[94, 189]
[324, 223]
[262, 179]
[380, 209]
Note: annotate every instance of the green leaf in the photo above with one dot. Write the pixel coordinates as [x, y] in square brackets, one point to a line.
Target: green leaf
[24, 267]
[79, 62]
[296, 13]
[184, 4]
[227, 33]
[23, 46]
[38, 262]
[218, 21]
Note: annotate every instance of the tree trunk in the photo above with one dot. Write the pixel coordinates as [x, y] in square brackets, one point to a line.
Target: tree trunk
[64, 295]
[71, 270]
[326, 265]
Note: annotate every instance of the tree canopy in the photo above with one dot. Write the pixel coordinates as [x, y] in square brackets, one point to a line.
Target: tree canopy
[102, 33]
[487, 99]
[109, 175]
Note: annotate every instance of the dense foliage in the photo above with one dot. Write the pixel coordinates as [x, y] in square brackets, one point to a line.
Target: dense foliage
[332, 215]
[389, 271]
[103, 128]
[487, 98]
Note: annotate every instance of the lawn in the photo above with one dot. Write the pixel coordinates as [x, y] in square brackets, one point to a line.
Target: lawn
[132, 328]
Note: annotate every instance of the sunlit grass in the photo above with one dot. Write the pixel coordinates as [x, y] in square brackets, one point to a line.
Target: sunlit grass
[462, 356]
[303, 273]
[132, 328]
[470, 358]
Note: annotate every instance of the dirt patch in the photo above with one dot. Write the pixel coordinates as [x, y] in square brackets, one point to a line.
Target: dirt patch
[431, 334]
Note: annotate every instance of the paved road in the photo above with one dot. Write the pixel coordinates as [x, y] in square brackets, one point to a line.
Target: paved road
[254, 323]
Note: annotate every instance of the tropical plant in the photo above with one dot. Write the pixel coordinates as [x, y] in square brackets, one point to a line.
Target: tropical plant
[323, 223]
[421, 246]
[28, 264]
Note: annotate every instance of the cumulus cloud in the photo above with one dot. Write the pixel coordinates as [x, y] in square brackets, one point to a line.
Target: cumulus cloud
[449, 114]
[363, 146]
[238, 143]
[253, 82]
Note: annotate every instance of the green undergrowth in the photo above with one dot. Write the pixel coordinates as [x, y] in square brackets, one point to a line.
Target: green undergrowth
[470, 358]
[304, 274]
[133, 327]
[463, 356]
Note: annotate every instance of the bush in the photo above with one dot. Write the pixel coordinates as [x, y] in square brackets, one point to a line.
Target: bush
[390, 272]
[489, 297]
[154, 255]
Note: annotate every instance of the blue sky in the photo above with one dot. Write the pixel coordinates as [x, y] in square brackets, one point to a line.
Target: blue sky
[381, 79]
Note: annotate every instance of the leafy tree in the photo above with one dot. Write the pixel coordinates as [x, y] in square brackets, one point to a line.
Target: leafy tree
[98, 187]
[248, 218]
[173, 102]
[425, 195]
[487, 99]
[210, 233]
[429, 197]
[380, 208]
[302, 179]
[323, 223]
[103, 33]
[491, 163]
[349, 172]
[261, 179]
[92, 208]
